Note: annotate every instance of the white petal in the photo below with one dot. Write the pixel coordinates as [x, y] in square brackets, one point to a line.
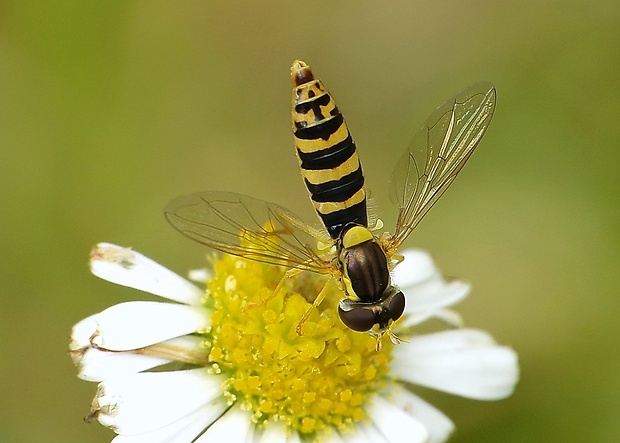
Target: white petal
[199, 275]
[416, 268]
[126, 267]
[351, 437]
[273, 433]
[395, 424]
[438, 425]
[464, 362]
[423, 300]
[335, 437]
[134, 325]
[234, 426]
[139, 403]
[97, 365]
[425, 288]
[449, 317]
[183, 430]
[370, 433]
[82, 332]
[293, 438]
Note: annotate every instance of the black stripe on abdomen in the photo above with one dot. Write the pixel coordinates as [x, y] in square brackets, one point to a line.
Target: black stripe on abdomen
[323, 130]
[314, 105]
[336, 221]
[337, 191]
[328, 158]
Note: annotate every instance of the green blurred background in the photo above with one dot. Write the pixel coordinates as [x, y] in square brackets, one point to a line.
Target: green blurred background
[110, 109]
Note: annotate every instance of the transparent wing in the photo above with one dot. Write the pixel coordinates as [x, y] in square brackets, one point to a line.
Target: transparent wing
[437, 154]
[247, 227]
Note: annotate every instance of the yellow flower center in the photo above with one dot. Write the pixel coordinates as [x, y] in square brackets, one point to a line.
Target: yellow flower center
[320, 380]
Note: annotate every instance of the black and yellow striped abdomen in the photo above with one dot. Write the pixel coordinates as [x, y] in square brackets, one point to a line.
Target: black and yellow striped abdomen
[327, 155]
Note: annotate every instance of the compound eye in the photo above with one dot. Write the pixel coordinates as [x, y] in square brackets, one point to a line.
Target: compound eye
[396, 306]
[359, 319]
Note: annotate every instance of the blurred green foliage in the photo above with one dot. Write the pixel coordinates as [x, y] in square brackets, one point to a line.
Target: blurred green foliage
[109, 109]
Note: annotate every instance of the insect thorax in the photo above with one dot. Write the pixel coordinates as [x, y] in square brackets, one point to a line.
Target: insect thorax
[364, 265]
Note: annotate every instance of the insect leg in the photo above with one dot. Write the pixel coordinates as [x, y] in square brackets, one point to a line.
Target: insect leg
[396, 259]
[379, 336]
[292, 272]
[315, 304]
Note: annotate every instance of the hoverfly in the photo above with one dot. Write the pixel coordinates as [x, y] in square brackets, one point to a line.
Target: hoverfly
[348, 249]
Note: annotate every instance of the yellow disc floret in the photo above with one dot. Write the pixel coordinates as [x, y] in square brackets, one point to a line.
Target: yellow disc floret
[321, 380]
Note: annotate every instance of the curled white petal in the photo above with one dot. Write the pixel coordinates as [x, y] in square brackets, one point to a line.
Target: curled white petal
[126, 267]
[140, 403]
[234, 426]
[395, 424]
[133, 325]
[81, 333]
[183, 430]
[97, 364]
[439, 426]
[464, 362]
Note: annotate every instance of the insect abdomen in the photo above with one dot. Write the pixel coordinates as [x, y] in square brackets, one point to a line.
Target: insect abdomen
[327, 155]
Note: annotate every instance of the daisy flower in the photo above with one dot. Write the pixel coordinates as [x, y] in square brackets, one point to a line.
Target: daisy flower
[203, 367]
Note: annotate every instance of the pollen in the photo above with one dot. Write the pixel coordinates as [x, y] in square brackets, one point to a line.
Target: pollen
[322, 380]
